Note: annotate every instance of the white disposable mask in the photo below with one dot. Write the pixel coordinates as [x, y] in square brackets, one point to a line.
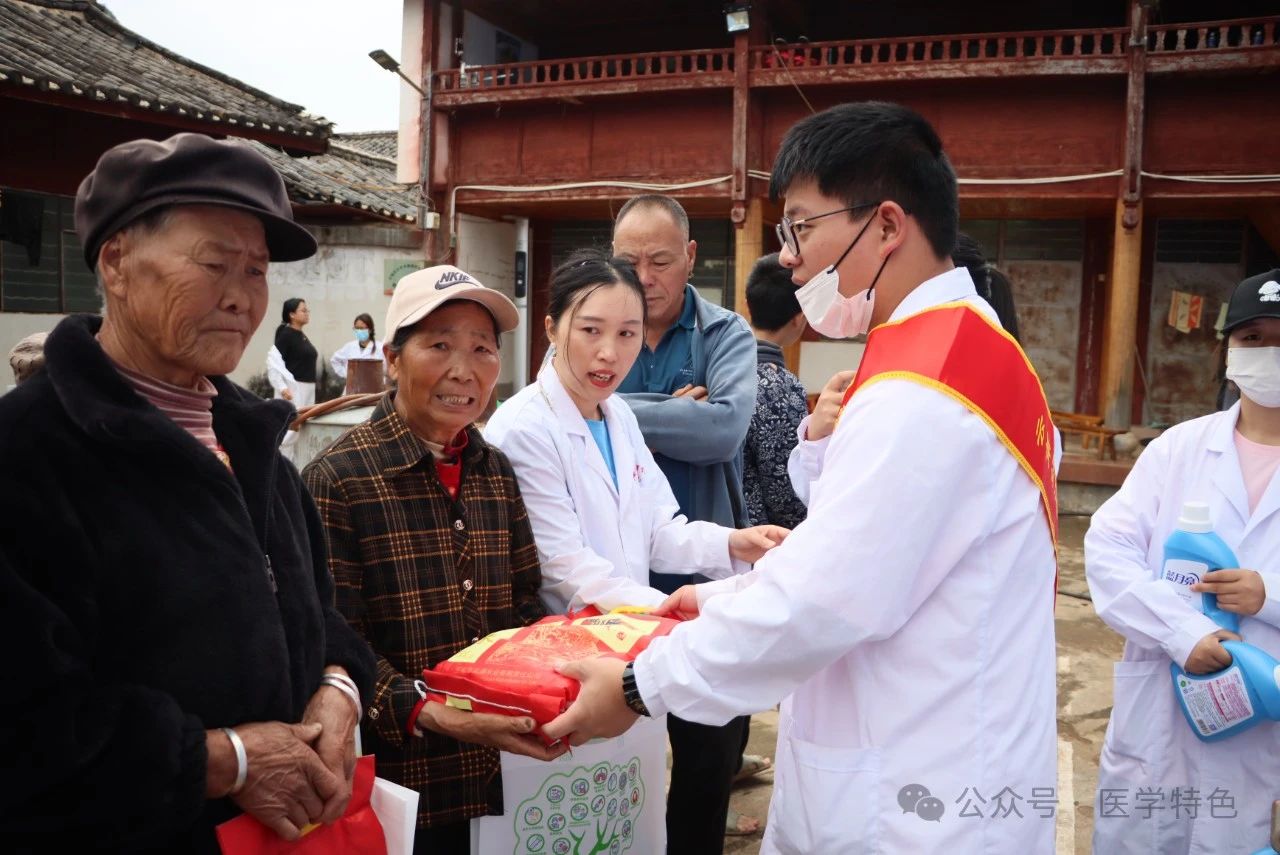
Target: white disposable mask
[1256, 370]
[830, 313]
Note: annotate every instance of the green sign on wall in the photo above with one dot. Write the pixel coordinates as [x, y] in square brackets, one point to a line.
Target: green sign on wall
[395, 269]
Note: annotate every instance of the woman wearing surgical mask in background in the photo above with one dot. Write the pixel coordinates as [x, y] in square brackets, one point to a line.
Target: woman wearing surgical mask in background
[364, 346]
[1227, 460]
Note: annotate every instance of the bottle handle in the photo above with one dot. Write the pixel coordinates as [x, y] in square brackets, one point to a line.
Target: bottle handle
[1227, 620]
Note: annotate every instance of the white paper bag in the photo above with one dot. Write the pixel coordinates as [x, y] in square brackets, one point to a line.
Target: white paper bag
[608, 796]
[397, 810]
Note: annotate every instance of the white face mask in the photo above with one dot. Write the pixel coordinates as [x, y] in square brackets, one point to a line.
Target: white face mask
[1256, 370]
[832, 314]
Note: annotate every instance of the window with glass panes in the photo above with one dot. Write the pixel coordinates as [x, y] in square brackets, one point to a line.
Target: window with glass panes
[42, 266]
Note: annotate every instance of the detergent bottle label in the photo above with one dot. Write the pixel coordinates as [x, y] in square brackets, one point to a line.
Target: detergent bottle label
[1182, 574]
[1218, 702]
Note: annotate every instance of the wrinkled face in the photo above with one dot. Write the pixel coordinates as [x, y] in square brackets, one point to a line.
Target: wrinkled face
[663, 257]
[597, 341]
[446, 371]
[187, 298]
[823, 240]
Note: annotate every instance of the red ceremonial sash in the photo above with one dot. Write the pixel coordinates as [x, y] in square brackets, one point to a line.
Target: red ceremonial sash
[954, 349]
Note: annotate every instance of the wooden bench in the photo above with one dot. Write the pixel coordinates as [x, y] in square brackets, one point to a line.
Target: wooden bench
[1090, 430]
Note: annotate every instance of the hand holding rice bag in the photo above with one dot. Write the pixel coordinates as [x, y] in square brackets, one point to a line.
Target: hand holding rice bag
[513, 671]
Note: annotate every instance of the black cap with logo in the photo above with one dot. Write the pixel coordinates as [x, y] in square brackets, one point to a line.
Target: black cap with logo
[1256, 297]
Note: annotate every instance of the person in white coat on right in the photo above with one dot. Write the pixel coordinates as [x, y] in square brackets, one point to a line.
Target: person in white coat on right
[907, 624]
[1160, 789]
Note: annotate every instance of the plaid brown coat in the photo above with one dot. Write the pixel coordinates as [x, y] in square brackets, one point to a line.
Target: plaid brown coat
[421, 576]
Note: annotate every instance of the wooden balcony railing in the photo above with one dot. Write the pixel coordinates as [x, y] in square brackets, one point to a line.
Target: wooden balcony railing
[1214, 36]
[1170, 47]
[1074, 44]
[591, 69]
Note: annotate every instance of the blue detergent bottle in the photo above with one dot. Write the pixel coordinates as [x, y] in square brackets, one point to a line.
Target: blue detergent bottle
[1232, 700]
[1247, 691]
[1193, 550]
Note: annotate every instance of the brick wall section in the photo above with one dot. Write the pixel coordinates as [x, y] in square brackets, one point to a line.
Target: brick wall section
[1047, 297]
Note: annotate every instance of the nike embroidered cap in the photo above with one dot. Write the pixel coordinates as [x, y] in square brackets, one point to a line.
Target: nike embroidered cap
[422, 292]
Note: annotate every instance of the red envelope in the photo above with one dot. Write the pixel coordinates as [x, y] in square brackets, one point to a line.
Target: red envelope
[357, 832]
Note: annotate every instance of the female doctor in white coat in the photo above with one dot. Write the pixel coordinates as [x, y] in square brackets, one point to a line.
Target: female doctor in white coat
[1201, 797]
[603, 513]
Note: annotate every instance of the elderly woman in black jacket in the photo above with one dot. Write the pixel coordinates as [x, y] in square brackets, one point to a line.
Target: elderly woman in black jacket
[174, 653]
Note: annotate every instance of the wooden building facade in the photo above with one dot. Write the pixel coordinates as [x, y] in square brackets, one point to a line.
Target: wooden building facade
[1116, 158]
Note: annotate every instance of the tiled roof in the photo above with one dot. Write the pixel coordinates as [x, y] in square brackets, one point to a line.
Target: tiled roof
[377, 143]
[347, 175]
[77, 49]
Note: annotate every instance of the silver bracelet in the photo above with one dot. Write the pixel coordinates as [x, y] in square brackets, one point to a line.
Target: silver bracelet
[242, 761]
[347, 687]
[343, 678]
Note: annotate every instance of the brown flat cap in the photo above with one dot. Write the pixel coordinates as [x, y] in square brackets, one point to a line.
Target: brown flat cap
[187, 169]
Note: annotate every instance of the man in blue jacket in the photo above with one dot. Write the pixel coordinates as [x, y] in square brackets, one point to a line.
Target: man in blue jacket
[693, 391]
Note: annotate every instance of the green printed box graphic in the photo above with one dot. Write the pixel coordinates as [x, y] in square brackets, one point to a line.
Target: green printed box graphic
[584, 811]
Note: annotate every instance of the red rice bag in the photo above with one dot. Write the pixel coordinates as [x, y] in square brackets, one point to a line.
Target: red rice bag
[513, 671]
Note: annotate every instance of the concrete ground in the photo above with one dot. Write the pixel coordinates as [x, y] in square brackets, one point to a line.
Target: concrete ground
[1086, 649]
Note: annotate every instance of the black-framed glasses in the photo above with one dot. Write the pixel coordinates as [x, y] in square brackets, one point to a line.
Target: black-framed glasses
[786, 228]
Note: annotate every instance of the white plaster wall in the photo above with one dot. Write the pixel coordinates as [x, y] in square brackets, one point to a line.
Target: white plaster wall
[410, 130]
[338, 283]
[487, 250]
[820, 360]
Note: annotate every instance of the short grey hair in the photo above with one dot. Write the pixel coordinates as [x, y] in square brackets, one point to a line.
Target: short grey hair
[152, 222]
[655, 201]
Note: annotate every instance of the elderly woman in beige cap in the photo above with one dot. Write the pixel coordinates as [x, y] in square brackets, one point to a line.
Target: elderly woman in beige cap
[175, 657]
[431, 548]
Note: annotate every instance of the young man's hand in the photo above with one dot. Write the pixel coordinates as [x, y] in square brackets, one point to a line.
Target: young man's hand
[823, 419]
[600, 709]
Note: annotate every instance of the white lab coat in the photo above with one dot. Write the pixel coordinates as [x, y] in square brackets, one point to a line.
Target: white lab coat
[277, 374]
[1148, 743]
[353, 350]
[597, 542]
[304, 394]
[907, 622]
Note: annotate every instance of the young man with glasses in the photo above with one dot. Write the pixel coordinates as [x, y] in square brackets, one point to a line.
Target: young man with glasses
[907, 624]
